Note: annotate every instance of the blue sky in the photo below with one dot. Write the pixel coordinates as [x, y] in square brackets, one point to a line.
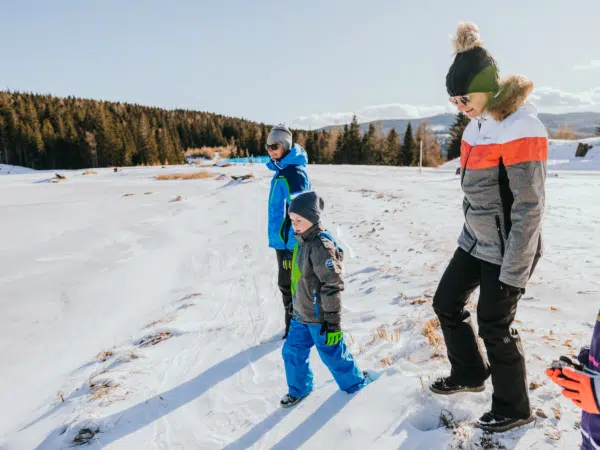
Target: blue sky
[308, 63]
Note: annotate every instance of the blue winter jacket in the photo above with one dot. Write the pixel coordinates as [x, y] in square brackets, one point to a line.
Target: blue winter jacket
[290, 179]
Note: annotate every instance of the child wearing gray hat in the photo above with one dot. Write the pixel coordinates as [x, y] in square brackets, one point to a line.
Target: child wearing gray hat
[317, 285]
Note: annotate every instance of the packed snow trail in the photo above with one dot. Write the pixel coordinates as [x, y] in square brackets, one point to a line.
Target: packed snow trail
[89, 275]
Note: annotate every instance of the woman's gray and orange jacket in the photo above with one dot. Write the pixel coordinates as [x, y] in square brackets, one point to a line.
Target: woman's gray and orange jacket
[503, 173]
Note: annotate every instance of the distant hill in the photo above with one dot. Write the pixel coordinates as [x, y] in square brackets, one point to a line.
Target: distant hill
[584, 124]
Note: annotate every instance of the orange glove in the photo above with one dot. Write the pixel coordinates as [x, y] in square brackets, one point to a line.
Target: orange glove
[554, 374]
[577, 386]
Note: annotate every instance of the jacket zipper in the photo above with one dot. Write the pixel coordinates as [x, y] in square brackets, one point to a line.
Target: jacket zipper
[315, 303]
[501, 236]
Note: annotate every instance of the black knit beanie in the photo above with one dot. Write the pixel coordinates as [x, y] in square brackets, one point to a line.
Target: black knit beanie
[474, 69]
[308, 205]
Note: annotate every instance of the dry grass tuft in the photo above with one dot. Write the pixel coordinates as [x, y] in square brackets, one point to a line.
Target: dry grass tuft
[102, 389]
[179, 198]
[382, 333]
[186, 306]
[534, 385]
[58, 178]
[430, 331]
[128, 357]
[128, 195]
[349, 339]
[556, 411]
[553, 433]
[248, 176]
[148, 193]
[192, 295]
[156, 322]
[154, 339]
[387, 361]
[419, 301]
[185, 176]
[85, 436]
[540, 413]
[553, 308]
[209, 152]
[90, 172]
[447, 419]
[61, 395]
[103, 356]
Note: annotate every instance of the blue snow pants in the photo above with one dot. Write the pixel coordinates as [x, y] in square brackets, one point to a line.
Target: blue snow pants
[337, 358]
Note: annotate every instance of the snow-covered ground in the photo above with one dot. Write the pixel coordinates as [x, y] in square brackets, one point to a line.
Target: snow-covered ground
[87, 269]
[6, 169]
[561, 156]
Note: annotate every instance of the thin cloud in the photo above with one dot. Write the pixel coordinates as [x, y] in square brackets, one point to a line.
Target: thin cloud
[554, 100]
[547, 99]
[593, 64]
[370, 114]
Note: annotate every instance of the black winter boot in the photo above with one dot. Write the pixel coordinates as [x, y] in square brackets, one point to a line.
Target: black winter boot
[444, 386]
[493, 423]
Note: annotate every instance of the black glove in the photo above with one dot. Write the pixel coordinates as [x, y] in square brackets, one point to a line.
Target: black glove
[334, 333]
[288, 256]
[584, 355]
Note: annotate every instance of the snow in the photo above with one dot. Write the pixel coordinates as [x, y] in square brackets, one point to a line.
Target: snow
[6, 169]
[86, 269]
[561, 156]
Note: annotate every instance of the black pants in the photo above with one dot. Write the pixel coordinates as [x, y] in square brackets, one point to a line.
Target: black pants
[495, 314]
[284, 281]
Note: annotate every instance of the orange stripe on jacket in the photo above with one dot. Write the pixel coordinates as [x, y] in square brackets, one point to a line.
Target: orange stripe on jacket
[465, 150]
[513, 152]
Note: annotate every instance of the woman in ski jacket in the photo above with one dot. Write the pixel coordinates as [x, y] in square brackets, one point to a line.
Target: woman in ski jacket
[503, 171]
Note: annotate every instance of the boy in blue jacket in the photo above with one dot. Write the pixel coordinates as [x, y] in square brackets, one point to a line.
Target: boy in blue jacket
[288, 161]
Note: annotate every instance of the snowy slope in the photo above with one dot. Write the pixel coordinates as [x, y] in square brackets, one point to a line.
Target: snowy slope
[561, 156]
[6, 169]
[87, 270]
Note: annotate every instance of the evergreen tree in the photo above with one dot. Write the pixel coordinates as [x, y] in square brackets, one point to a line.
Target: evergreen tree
[165, 147]
[107, 142]
[148, 148]
[47, 132]
[341, 154]
[353, 143]
[311, 148]
[598, 131]
[264, 134]
[408, 148]
[456, 132]
[391, 149]
[370, 154]
[3, 141]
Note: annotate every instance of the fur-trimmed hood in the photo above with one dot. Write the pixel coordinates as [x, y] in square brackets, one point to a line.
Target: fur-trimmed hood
[511, 96]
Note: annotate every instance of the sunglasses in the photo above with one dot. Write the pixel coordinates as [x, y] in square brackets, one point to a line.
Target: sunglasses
[272, 146]
[461, 99]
